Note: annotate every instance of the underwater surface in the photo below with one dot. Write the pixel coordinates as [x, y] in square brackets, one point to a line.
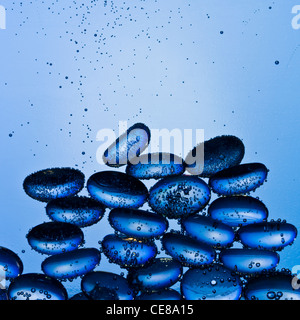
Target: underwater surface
[69, 70]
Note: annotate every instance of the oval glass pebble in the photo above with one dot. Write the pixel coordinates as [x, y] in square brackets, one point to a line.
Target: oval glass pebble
[117, 190]
[268, 235]
[128, 146]
[163, 294]
[35, 286]
[208, 230]
[161, 273]
[156, 166]
[93, 282]
[239, 179]
[80, 211]
[128, 252]
[219, 153]
[137, 223]
[178, 197]
[212, 283]
[53, 183]
[11, 266]
[70, 265]
[238, 211]
[188, 251]
[272, 287]
[249, 260]
[3, 294]
[55, 237]
[79, 296]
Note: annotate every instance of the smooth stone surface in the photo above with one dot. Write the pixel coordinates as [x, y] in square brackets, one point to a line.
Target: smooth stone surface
[55, 237]
[53, 183]
[238, 211]
[79, 210]
[35, 286]
[179, 197]
[117, 190]
[138, 223]
[239, 179]
[220, 153]
[156, 166]
[70, 265]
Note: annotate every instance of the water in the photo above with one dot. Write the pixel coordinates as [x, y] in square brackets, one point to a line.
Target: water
[226, 68]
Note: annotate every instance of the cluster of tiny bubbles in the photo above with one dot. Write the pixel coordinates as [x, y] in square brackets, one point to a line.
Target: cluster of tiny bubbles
[223, 249]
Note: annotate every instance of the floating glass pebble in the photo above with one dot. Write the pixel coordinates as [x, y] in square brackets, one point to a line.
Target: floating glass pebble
[239, 179]
[164, 294]
[79, 296]
[80, 211]
[53, 183]
[117, 189]
[268, 235]
[208, 230]
[188, 251]
[70, 265]
[11, 266]
[137, 223]
[249, 260]
[238, 211]
[162, 273]
[128, 252]
[219, 153]
[156, 166]
[212, 283]
[3, 294]
[178, 197]
[55, 237]
[35, 286]
[92, 282]
[272, 287]
[128, 146]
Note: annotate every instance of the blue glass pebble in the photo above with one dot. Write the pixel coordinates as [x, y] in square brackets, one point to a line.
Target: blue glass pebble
[3, 294]
[70, 265]
[53, 183]
[212, 283]
[163, 294]
[80, 211]
[35, 286]
[11, 266]
[238, 211]
[278, 286]
[268, 235]
[92, 282]
[156, 166]
[209, 231]
[117, 189]
[79, 296]
[219, 153]
[55, 237]
[178, 197]
[137, 223]
[239, 179]
[128, 252]
[161, 273]
[188, 251]
[249, 260]
[128, 146]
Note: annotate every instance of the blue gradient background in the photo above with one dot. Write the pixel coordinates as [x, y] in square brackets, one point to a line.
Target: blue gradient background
[69, 69]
